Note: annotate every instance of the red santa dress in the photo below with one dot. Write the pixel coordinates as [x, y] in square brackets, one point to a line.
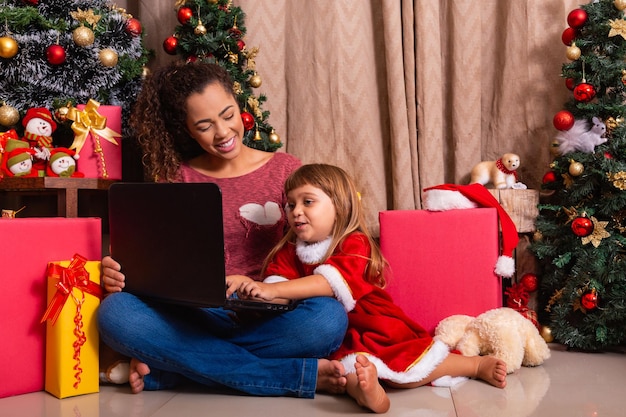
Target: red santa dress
[400, 348]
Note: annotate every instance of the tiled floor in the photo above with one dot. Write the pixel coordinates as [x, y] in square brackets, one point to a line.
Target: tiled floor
[569, 384]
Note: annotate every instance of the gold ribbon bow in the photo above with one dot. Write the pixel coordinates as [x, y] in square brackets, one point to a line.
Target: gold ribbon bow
[89, 121]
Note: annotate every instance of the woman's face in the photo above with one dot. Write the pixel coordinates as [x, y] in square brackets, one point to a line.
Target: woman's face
[214, 121]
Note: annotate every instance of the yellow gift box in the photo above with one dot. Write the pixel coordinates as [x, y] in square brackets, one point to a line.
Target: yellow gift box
[72, 341]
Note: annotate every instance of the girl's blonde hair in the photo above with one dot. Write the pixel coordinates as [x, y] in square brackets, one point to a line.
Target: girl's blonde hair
[338, 185]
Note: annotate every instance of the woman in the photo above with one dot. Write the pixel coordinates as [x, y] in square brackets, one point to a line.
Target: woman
[189, 126]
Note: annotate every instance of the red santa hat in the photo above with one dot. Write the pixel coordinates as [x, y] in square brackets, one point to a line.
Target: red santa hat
[453, 196]
[39, 113]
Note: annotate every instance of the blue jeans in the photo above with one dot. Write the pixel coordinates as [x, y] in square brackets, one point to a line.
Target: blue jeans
[275, 355]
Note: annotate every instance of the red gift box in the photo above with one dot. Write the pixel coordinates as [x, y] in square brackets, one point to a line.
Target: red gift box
[442, 263]
[28, 244]
[97, 140]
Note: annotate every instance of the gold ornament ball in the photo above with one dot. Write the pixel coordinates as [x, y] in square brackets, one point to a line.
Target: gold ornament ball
[255, 81]
[620, 4]
[274, 138]
[573, 52]
[537, 236]
[8, 47]
[83, 36]
[200, 29]
[9, 115]
[145, 71]
[108, 57]
[576, 168]
[61, 113]
[546, 333]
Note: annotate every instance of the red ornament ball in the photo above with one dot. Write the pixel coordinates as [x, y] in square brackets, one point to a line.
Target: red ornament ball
[577, 18]
[31, 2]
[184, 15]
[568, 36]
[248, 120]
[529, 282]
[589, 300]
[582, 226]
[170, 44]
[549, 176]
[241, 45]
[55, 54]
[133, 26]
[584, 92]
[563, 120]
[570, 83]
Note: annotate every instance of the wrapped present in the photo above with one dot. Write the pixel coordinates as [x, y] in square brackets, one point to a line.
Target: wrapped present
[442, 263]
[97, 140]
[23, 262]
[74, 295]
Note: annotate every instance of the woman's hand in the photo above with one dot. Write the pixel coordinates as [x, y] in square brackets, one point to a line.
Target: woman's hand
[233, 282]
[112, 278]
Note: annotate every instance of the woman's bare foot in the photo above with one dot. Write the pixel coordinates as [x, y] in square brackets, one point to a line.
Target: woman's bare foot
[136, 373]
[491, 370]
[330, 377]
[367, 391]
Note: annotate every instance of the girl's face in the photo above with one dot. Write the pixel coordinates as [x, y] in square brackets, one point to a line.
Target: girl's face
[311, 213]
[214, 121]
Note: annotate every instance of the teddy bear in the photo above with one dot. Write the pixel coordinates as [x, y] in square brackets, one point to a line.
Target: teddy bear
[501, 173]
[501, 332]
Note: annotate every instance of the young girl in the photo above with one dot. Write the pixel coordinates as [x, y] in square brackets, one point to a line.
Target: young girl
[329, 252]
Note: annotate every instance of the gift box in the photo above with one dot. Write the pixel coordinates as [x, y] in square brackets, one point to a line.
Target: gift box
[28, 244]
[74, 295]
[97, 140]
[441, 263]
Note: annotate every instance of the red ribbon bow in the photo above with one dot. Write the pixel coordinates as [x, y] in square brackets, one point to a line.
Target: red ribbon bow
[74, 276]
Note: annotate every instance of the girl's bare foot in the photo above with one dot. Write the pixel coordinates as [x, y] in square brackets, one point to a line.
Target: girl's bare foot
[368, 392]
[330, 377]
[135, 375]
[491, 370]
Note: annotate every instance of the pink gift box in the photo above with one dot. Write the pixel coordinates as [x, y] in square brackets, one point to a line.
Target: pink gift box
[89, 161]
[28, 244]
[442, 263]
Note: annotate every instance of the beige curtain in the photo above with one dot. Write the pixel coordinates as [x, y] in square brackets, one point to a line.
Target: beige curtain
[404, 94]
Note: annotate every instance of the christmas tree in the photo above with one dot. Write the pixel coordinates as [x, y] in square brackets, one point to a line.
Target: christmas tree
[581, 229]
[59, 52]
[214, 31]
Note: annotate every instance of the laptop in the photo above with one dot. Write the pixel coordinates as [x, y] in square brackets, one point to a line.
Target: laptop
[169, 239]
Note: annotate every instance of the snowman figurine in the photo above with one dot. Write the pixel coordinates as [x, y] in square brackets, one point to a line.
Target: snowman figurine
[38, 128]
[19, 163]
[62, 163]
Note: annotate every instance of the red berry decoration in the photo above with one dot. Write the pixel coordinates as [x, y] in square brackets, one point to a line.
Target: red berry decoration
[584, 92]
[589, 300]
[570, 83]
[55, 54]
[577, 18]
[568, 36]
[549, 177]
[170, 44]
[563, 120]
[529, 282]
[133, 26]
[184, 14]
[248, 120]
[582, 226]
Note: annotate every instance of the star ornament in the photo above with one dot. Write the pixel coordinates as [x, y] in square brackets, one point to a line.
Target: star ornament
[599, 233]
[618, 27]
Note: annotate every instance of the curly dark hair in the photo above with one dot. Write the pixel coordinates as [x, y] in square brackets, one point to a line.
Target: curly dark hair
[159, 116]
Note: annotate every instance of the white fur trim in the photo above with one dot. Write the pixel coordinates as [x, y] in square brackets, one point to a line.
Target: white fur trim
[505, 266]
[440, 200]
[312, 253]
[420, 370]
[274, 278]
[338, 284]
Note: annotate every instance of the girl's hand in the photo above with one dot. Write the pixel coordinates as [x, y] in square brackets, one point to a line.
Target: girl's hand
[233, 282]
[258, 290]
[112, 278]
